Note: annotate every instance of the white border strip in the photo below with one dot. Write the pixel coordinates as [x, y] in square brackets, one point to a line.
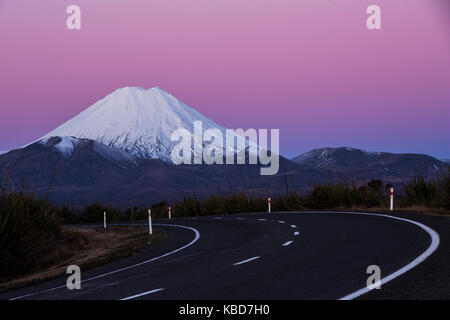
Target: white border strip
[433, 246]
[435, 240]
[197, 236]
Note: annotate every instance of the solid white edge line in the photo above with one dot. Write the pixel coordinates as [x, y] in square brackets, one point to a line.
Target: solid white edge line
[245, 261]
[142, 294]
[286, 243]
[197, 236]
[435, 240]
[433, 246]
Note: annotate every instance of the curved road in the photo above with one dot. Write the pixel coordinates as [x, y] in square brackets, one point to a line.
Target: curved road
[304, 255]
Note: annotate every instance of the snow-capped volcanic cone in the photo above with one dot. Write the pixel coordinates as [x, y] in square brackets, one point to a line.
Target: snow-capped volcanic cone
[135, 120]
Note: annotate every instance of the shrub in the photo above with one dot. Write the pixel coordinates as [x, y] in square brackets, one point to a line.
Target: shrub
[28, 227]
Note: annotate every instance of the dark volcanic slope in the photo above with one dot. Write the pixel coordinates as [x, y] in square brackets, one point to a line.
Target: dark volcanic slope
[80, 171]
[361, 165]
[95, 172]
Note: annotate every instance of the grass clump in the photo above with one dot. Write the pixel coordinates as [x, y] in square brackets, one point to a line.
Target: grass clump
[29, 234]
[431, 193]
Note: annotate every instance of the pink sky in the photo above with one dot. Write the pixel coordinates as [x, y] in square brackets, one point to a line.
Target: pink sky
[308, 67]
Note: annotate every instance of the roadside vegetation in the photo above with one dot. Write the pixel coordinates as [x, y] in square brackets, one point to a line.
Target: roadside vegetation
[35, 245]
[419, 195]
[32, 236]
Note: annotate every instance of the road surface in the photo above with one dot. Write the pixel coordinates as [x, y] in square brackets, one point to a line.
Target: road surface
[295, 255]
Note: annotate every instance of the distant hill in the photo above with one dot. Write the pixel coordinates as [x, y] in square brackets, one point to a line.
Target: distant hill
[364, 164]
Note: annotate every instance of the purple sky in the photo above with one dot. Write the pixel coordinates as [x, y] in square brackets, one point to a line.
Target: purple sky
[310, 68]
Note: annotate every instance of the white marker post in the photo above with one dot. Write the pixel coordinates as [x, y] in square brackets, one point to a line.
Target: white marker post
[268, 205]
[104, 220]
[150, 221]
[392, 199]
[170, 212]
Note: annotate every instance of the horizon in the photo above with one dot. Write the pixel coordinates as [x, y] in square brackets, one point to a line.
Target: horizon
[287, 157]
[315, 72]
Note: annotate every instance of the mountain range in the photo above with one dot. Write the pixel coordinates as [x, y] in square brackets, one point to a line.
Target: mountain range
[118, 152]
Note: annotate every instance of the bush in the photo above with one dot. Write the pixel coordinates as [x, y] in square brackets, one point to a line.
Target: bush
[28, 227]
[444, 190]
[431, 193]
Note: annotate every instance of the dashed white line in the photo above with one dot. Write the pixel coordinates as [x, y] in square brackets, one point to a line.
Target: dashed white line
[293, 226]
[286, 243]
[296, 233]
[240, 218]
[142, 294]
[245, 261]
[281, 221]
[262, 219]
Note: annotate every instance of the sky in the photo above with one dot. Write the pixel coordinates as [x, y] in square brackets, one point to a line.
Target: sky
[310, 68]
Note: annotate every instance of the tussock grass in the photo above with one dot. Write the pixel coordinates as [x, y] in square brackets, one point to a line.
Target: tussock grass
[431, 193]
[30, 237]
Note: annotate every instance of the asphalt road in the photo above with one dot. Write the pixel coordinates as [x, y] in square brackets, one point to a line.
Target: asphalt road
[304, 255]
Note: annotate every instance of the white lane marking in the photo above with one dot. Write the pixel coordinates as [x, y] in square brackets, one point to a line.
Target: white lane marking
[435, 240]
[142, 294]
[433, 246]
[293, 226]
[286, 244]
[197, 236]
[240, 218]
[244, 261]
[262, 219]
[281, 221]
[296, 233]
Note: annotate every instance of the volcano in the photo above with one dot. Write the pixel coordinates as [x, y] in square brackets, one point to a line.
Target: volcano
[135, 120]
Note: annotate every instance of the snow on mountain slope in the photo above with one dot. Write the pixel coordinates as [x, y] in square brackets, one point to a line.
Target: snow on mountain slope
[66, 146]
[326, 157]
[135, 120]
[352, 159]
